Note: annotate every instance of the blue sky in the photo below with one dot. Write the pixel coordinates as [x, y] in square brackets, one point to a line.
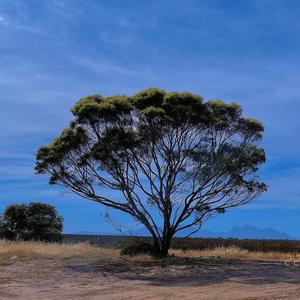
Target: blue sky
[52, 52]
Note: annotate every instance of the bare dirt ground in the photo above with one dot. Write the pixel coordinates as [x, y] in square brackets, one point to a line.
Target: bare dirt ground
[177, 278]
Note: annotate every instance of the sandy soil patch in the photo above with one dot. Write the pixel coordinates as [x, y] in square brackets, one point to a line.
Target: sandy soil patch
[177, 278]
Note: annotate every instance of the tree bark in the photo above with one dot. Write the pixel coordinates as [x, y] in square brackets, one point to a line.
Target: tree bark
[161, 250]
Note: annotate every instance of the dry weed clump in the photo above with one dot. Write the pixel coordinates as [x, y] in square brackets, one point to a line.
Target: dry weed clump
[9, 249]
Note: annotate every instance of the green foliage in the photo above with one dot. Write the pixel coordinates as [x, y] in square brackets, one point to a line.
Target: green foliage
[136, 247]
[13, 222]
[151, 97]
[35, 221]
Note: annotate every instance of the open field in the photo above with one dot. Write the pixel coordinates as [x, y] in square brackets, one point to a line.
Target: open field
[194, 243]
[80, 271]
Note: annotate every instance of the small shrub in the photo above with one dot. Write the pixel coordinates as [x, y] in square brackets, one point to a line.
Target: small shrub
[136, 247]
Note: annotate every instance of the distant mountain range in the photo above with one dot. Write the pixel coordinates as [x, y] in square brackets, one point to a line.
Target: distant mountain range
[244, 232]
[247, 232]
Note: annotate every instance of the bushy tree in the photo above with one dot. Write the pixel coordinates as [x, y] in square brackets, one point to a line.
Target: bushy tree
[172, 159]
[35, 221]
[13, 222]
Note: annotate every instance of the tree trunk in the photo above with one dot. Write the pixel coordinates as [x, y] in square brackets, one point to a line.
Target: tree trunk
[161, 250]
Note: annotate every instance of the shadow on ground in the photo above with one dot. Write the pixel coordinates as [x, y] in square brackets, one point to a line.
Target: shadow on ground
[181, 272]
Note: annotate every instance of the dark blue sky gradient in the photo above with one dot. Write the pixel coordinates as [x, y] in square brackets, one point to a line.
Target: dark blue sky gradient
[52, 52]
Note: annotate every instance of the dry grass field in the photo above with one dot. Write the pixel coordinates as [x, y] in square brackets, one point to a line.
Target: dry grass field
[32, 270]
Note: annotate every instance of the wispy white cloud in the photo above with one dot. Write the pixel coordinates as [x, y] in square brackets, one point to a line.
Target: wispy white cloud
[16, 172]
[283, 190]
[15, 155]
[3, 20]
[104, 66]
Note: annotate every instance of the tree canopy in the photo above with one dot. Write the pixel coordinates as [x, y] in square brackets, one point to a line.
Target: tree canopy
[172, 158]
[35, 221]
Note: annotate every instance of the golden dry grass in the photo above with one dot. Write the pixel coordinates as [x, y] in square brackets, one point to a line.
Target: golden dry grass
[232, 253]
[9, 249]
[31, 250]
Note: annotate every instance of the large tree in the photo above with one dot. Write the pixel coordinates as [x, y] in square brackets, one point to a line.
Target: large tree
[172, 159]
